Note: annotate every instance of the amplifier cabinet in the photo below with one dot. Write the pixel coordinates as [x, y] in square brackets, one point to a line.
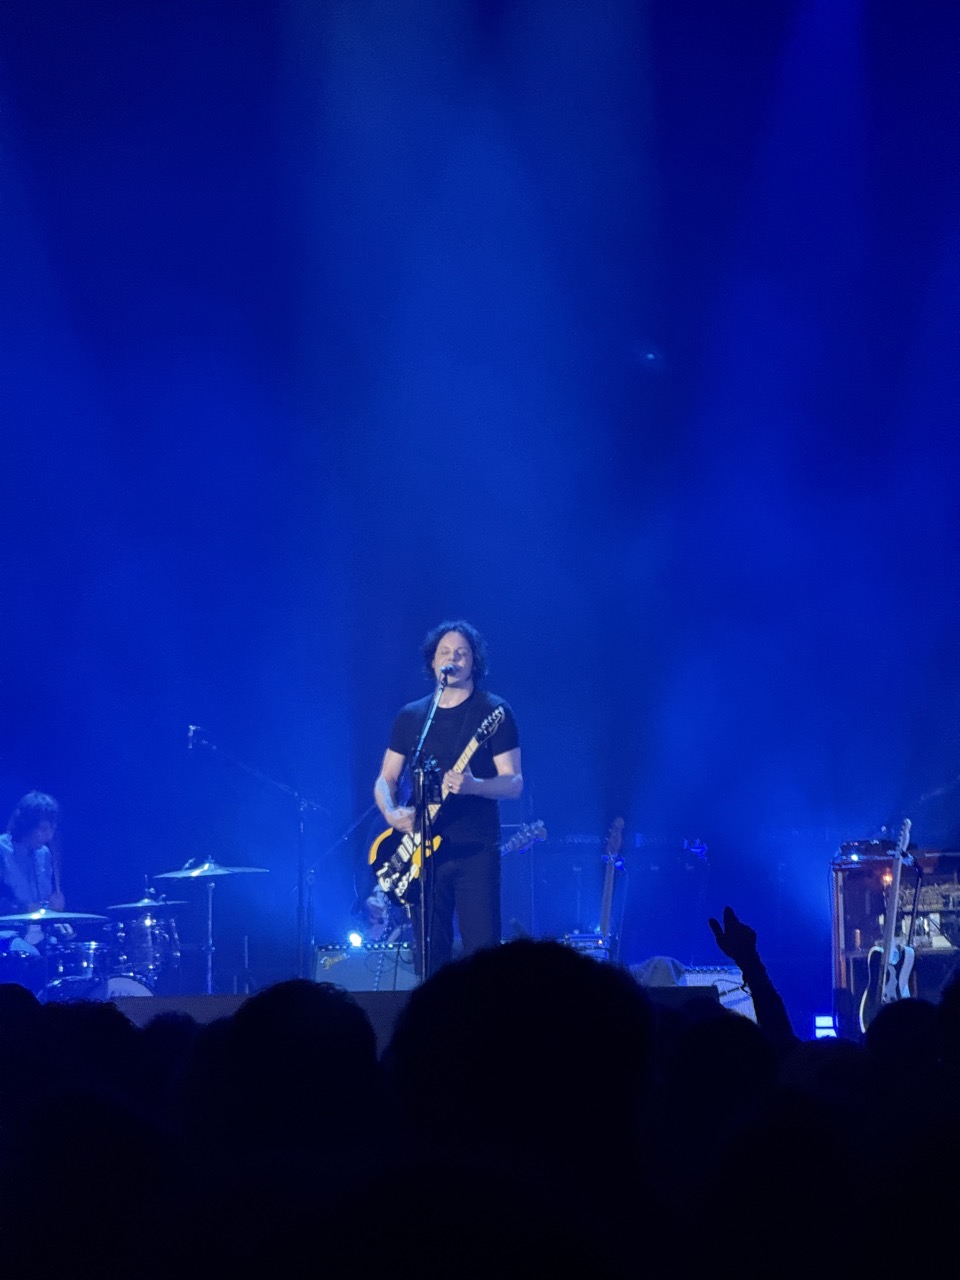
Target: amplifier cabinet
[590, 944]
[371, 967]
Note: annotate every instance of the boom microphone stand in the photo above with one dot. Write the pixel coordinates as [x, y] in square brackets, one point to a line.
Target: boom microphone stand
[304, 805]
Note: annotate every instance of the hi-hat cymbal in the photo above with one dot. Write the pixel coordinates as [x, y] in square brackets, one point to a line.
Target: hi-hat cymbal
[146, 903]
[44, 916]
[204, 869]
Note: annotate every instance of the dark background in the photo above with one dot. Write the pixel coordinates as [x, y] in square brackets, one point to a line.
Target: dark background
[627, 331]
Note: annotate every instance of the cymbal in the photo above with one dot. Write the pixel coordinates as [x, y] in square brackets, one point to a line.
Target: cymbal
[146, 903]
[45, 916]
[205, 869]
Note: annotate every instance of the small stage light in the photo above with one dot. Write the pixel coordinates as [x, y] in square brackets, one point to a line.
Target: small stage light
[824, 1026]
[355, 939]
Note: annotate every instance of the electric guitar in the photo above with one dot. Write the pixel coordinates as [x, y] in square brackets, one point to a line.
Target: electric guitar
[613, 861]
[527, 836]
[889, 964]
[397, 857]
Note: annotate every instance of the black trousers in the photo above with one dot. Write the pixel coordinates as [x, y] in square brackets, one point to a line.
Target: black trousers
[465, 885]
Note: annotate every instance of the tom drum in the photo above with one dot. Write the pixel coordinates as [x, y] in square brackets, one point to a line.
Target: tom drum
[146, 945]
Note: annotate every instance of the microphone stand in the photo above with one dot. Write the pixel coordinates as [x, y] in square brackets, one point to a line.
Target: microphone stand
[304, 804]
[420, 772]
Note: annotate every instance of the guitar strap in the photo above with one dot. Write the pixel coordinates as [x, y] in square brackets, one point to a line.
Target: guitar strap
[463, 734]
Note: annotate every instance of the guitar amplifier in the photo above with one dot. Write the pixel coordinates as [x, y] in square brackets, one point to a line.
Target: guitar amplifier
[861, 873]
[375, 966]
[663, 974]
[590, 944]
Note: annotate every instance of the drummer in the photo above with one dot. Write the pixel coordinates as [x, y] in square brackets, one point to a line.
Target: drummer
[30, 862]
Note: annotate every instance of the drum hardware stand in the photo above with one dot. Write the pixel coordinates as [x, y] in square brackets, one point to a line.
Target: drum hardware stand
[208, 945]
[242, 981]
[304, 804]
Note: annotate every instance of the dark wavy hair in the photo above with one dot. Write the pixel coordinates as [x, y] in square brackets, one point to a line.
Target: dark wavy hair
[478, 647]
[32, 809]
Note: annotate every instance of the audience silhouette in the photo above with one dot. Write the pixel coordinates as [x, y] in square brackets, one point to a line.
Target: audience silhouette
[534, 1110]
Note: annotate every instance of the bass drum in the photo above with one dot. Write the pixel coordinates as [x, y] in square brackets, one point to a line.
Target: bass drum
[122, 984]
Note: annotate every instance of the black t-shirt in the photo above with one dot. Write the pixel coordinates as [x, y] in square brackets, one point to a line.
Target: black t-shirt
[467, 823]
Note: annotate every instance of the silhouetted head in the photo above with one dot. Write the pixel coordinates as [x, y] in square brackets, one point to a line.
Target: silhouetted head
[948, 1024]
[299, 1066]
[19, 1010]
[514, 1046]
[905, 1033]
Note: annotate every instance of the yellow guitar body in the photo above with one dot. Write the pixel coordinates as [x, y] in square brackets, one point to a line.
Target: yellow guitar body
[388, 841]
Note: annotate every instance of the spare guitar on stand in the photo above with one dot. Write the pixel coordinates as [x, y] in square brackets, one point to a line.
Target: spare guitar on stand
[613, 863]
[604, 944]
[890, 963]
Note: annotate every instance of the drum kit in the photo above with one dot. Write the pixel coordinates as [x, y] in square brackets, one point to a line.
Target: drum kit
[136, 954]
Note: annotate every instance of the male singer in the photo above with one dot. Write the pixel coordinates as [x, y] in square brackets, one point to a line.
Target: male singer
[462, 878]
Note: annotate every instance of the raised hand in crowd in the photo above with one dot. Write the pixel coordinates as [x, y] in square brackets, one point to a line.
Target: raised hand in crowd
[738, 941]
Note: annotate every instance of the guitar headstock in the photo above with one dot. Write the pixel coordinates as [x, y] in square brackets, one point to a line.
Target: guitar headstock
[904, 839]
[490, 725]
[527, 836]
[611, 850]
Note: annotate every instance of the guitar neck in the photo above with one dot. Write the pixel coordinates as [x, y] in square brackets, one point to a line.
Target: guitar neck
[462, 761]
[610, 854]
[890, 919]
[893, 899]
[606, 900]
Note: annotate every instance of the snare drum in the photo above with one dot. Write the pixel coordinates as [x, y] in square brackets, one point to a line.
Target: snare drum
[85, 961]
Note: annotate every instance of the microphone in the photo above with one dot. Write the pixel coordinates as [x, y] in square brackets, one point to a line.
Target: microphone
[448, 670]
[191, 730]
